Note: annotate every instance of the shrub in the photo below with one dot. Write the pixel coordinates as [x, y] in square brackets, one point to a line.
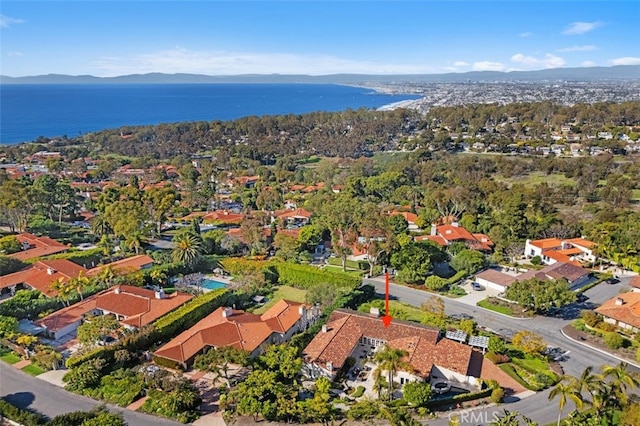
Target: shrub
[590, 318]
[496, 395]
[365, 409]
[18, 415]
[605, 326]
[613, 340]
[536, 260]
[497, 358]
[435, 283]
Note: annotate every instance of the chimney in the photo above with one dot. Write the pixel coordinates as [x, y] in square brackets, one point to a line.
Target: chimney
[434, 229]
[117, 290]
[455, 224]
[302, 310]
[227, 312]
[324, 328]
[160, 294]
[51, 271]
[619, 301]
[374, 312]
[330, 366]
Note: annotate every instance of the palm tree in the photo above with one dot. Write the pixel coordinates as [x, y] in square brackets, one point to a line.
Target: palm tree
[566, 391]
[187, 248]
[106, 275]
[621, 380]
[135, 241]
[588, 382]
[80, 283]
[391, 360]
[100, 226]
[63, 289]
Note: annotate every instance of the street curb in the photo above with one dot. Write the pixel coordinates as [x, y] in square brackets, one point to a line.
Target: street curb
[626, 361]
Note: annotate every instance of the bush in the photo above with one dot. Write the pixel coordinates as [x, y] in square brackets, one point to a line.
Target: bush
[536, 260]
[364, 410]
[497, 358]
[358, 392]
[435, 283]
[613, 340]
[18, 415]
[590, 318]
[496, 395]
[306, 276]
[605, 326]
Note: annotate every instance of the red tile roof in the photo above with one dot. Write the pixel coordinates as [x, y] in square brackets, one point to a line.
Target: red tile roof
[38, 246]
[410, 217]
[239, 329]
[224, 216]
[42, 274]
[124, 266]
[635, 282]
[297, 213]
[424, 345]
[139, 305]
[624, 308]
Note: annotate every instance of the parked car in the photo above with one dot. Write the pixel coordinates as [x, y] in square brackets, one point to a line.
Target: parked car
[476, 286]
[613, 280]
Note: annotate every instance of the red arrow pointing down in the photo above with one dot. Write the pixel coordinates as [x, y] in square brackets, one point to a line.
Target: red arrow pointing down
[386, 319]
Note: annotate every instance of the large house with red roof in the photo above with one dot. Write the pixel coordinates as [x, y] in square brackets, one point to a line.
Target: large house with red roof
[449, 233]
[242, 330]
[432, 356]
[133, 306]
[552, 250]
[33, 246]
[622, 311]
[575, 275]
[43, 273]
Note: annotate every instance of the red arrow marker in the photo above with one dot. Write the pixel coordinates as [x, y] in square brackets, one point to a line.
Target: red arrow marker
[386, 319]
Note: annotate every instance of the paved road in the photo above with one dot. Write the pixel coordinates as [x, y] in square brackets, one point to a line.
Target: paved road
[29, 392]
[537, 407]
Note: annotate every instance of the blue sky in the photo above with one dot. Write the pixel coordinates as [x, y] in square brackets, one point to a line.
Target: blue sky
[109, 38]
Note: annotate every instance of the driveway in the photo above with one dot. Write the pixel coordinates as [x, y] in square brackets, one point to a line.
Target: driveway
[474, 296]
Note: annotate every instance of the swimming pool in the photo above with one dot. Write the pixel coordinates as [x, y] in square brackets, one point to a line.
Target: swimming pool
[210, 284]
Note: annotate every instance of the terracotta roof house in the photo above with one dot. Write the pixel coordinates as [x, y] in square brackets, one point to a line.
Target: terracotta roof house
[294, 217]
[553, 250]
[33, 246]
[622, 311]
[242, 330]
[635, 283]
[411, 218]
[432, 356]
[126, 265]
[40, 275]
[576, 276]
[453, 232]
[133, 306]
[223, 217]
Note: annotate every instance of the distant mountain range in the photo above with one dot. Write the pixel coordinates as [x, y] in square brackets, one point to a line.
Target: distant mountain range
[589, 74]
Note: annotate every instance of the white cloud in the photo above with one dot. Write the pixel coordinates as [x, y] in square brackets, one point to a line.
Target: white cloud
[588, 64]
[525, 34]
[577, 28]
[6, 21]
[488, 66]
[15, 54]
[628, 60]
[460, 64]
[585, 48]
[180, 60]
[549, 61]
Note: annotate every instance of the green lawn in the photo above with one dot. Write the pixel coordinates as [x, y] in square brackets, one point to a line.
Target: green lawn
[635, 194]
[496, 308]
[33, 370]
[333, 268]
[10, 357]
[283, 292]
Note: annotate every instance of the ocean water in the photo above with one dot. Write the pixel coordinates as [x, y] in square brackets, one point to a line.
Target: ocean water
[54, 110]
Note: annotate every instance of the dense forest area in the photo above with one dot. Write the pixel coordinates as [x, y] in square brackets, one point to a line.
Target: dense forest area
[356, 133]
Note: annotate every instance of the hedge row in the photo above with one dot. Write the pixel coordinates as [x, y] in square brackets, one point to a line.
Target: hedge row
[463, 397]
[187, 315]
[511, 371]
[457, 277]
[87, 258]
[306, 276]
[18, 415]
